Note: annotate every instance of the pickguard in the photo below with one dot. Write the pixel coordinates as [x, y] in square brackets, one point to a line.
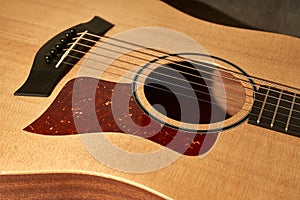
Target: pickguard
[96, 98]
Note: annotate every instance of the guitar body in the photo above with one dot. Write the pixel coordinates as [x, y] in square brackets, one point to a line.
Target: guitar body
[245, 162]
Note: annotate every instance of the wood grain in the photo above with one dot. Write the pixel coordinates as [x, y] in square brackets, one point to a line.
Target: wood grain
[247, 162]
[68, 186]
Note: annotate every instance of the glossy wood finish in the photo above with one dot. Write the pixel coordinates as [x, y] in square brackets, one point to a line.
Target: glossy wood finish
[68, 186]
[247, 162]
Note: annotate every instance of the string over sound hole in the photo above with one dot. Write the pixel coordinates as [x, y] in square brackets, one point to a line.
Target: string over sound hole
[190, 89]
[189, 93]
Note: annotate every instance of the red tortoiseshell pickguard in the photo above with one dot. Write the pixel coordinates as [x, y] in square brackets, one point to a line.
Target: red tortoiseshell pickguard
[84, 105]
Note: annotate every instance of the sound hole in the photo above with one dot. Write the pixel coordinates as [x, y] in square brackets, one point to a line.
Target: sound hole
[192, 93]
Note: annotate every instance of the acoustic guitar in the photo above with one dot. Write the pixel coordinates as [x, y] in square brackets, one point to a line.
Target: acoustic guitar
[141, 101]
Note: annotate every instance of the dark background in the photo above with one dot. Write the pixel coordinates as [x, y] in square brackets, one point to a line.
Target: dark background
[279, 16]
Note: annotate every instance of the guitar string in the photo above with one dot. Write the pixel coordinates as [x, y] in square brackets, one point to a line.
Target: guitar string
[206, 93]
[197, 76]
[205, 78]
[126, 70]
[194, 69]
[236, 80]
[222, 69]
[173, 77]
[246, 102]
[279, 121]
[159, 51]
[171, 61]
[247, 111]
[284, 100]
[130, 79]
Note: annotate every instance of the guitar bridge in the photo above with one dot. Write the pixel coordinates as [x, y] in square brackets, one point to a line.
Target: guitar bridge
[45, 72]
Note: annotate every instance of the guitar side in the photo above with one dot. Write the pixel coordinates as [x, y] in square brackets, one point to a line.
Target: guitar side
[247, 161]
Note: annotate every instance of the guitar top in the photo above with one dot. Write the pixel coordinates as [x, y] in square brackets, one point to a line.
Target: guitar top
[41, 144]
